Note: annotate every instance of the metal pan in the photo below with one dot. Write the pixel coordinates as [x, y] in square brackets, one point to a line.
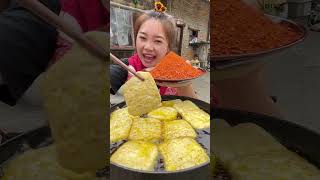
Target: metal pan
[180, 80]
[224, 61]
[33, 139]
[194, 173]
[297, 138]
[41, 137]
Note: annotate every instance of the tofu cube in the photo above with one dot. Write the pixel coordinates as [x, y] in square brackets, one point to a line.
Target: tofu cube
[147, 129]
[178, 128]
[139, 155]
[164, 113]
[120, 124]
[182, 153]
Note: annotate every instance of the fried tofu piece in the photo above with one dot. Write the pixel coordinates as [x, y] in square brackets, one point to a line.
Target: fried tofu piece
[189, 111]
[141, 96]
[249, 152]
[198, 119]
[182, 153]
[148, 129]
[120, 124]
[241, 140]
[171, 103]
[164, 113]
[139, 155]
[284, 165]
[40, 164]
[74, 91]
[178, 128]
[219, 124]
[185, 106]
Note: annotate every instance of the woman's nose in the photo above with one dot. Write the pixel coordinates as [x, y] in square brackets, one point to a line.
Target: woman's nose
[148, 45]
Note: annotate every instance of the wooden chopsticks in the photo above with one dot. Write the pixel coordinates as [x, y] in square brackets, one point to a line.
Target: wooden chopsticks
[118, 61]
[48, 16]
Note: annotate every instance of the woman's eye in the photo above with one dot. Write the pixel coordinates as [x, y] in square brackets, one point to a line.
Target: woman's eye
[158, 41]
[142, 38]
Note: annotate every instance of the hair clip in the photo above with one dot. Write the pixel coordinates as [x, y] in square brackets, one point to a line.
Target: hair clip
[159, 7]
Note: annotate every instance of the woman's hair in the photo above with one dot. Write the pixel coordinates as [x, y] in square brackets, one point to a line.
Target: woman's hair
[167, 22]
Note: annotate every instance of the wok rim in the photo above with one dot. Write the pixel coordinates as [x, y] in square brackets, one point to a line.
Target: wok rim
[291, 143]
[166, 98]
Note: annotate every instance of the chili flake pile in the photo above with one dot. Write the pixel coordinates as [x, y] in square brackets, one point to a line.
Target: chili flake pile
[174, 67]
[239, 28]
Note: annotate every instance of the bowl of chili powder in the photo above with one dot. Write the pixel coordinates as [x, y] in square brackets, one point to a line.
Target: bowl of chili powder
[175, 69]
[241, 33]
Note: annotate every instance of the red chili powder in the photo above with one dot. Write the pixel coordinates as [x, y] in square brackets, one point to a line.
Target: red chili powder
[174, 67]
[238, 28]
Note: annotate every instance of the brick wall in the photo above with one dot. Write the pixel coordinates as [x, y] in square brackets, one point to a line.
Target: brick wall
[194, 13]
[145, 4]
[196, 16]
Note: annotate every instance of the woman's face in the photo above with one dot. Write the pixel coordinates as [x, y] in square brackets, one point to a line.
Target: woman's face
[151, 43]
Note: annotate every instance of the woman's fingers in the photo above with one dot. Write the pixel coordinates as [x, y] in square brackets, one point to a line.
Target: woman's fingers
[148, 69]
[173, 84]
[72, 22]
[129, 73]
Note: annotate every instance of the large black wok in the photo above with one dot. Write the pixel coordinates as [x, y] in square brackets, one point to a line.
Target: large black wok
[41, 137]
[194, 173]
[297, 138]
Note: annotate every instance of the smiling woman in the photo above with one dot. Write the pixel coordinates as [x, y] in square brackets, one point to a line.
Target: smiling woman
[155, 34]
[152, 45]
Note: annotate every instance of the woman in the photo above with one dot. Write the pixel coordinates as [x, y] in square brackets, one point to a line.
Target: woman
[155, 36]
[83, 16]
[27, 44]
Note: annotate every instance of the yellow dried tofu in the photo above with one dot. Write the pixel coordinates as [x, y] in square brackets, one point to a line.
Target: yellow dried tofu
[75, 99]
[278, 165]
[147, 129]
[220, 124]
[164, 113]
[185, 106]
[41, 164]
[178, 128]
[120, 124]
[242, 140]
[198, 119]
[182, 153]
[171, 103]
[141, 96]
[139, 155]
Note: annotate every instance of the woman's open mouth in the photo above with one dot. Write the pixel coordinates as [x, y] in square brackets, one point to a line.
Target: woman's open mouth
[149, 58]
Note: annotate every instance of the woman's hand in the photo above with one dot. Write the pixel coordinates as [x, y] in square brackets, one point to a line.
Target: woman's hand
[187, 91]
[129, 73]
[174, 84]
[72, 22]
[148, 69]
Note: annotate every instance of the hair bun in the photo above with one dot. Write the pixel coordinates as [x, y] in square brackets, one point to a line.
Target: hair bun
[159, 7]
